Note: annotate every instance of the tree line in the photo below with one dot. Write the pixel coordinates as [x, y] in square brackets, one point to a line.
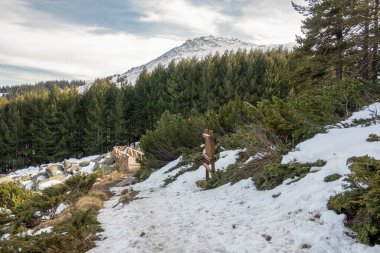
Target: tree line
[43, 126]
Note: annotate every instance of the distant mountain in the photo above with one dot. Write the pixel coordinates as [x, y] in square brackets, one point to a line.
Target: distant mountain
[198, 47]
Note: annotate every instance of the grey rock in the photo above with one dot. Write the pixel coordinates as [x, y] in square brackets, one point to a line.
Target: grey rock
[84, 164]
[108, 161]
[126, 182]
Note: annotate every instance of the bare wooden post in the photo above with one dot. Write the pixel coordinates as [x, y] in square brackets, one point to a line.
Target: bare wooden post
[209, 154]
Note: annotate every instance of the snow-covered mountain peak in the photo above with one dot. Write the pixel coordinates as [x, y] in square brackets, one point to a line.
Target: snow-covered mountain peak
[198, 47]
[204, 43]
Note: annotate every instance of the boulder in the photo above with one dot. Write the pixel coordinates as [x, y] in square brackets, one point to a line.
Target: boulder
[126, 182]
[84, 164]
[67, 164]
[74, 168]
[54, 180]
[54, 170]
[108, 161]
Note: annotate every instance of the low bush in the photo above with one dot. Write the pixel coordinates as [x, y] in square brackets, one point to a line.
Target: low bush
[12, 195]
[332, 178]
[373, 138]
[361, 203]
[75, 234]
[274, 174]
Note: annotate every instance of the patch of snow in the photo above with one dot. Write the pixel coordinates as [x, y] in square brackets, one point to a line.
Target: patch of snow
[157, 178]
[46, 230]
[368, 112]
[61, 208]
[48, 184]
[83, 88]
[238, 218]
[5, 237]
[83, 159]
[40, 178]
[88, 169]
[257, 156]
[32, 170]
[28, 184]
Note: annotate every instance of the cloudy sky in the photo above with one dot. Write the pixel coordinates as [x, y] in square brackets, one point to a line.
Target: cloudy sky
[85, 39]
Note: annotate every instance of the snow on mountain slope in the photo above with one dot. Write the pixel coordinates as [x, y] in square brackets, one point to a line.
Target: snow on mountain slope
[198, 47]
[238, 218]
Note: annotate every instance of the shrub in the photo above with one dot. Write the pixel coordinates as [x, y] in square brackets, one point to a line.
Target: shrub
[274, 174]
[332, 177]
[361, 204]
[75, 234]
[12, 195]
[373, 138]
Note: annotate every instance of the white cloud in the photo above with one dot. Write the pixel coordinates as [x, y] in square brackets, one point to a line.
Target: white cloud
[32, 39]
[269, 21]
[36, 40]
[182, 13]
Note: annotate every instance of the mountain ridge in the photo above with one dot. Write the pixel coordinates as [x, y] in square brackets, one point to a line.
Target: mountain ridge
[198, 47]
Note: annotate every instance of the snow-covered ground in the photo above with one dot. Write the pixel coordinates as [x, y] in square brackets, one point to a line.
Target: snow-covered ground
[238, 218]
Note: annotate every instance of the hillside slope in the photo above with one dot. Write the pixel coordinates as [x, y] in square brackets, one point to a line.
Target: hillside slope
[180, 217]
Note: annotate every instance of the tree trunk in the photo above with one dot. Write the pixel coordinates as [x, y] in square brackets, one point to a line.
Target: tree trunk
[375, 54]
[366, 58]
[339, 55]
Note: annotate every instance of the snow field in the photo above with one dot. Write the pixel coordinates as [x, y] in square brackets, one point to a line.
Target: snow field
[238, 218]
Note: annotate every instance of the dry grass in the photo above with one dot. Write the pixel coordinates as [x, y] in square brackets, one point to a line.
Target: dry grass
[89, 203]
[99, 194]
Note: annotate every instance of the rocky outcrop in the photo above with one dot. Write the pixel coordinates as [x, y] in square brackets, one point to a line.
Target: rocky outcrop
[54, 170]
[47, 175]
